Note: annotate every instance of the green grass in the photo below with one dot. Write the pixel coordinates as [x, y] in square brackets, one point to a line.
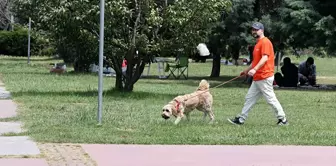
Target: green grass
[64, 108]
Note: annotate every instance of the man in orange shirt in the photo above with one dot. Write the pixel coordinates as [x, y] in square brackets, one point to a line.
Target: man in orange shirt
[262, 70]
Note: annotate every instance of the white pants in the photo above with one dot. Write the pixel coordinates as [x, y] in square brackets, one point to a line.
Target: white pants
[258, 89]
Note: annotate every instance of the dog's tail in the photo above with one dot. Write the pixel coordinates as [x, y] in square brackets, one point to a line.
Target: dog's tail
[203, 85]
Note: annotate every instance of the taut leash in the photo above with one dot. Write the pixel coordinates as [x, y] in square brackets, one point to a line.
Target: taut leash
[217, 86]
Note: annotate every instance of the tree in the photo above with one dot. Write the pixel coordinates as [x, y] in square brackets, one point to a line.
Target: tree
[134, 30]
[4, 14]
[160, 30]
[231, 33]
[326, 26]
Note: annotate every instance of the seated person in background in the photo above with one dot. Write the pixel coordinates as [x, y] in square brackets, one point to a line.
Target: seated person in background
[203, 52]
[307, 72]
[290, 74]
[289, 71]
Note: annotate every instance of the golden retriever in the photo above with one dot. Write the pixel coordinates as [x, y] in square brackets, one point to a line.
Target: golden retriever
[182, 105]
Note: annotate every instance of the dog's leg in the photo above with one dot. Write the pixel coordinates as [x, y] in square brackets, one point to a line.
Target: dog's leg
[202, 109]
[205, 115]
[187, 116]
[178, 119]
[208, 109]
[179, 116]
[212, 116]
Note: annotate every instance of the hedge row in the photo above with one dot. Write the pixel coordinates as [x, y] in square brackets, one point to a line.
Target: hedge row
[15, 43]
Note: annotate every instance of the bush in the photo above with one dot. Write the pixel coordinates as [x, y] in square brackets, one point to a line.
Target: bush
[14, 42]
[42, 46]
[79, 49]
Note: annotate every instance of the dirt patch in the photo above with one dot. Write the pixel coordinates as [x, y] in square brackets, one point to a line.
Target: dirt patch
[323, 87]
[65, 154]
[324, 77]
[20, 156]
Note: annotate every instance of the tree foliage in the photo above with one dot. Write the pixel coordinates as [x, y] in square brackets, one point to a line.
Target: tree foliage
[4, 14]
[134, 30]
[138, 30]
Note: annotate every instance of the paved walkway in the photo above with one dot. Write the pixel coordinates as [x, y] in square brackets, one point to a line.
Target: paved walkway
[14, 150]
[198, 155]
[8, 109]
[22, 162]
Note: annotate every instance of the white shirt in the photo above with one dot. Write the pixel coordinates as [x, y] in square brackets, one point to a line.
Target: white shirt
[203, 50]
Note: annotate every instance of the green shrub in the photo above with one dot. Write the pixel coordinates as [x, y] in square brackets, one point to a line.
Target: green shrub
[42, 45]
[14, 42]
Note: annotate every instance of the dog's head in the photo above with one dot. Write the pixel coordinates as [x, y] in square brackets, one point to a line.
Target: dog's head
[167, 111]
[203, 85]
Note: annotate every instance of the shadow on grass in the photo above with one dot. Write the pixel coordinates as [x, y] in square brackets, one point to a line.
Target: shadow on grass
[195, 80]
[330, 88]
[221, 82]
[47, 72]
[25, 59]
[91, 93]
[192, 78]
[28, 72]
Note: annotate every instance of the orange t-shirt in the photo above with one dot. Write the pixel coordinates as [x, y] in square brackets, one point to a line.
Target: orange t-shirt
[263, 47]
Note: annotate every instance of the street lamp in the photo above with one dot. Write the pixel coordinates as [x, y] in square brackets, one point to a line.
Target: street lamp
[29, 28]
[101, 54]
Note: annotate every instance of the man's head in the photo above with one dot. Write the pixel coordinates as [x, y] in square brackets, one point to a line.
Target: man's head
[257, 30]
[310, 61]
[287, 61]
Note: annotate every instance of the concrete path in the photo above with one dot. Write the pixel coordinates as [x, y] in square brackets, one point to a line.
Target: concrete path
[18, 146]
[7, 109]
[10, 127]
[4, 94]
[23, 162]
[198, 155]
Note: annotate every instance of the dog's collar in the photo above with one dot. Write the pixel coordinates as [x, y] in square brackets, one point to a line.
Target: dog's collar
[177, 105]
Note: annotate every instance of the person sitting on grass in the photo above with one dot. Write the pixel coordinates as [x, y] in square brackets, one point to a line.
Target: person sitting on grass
[307, 72]
[290, 74]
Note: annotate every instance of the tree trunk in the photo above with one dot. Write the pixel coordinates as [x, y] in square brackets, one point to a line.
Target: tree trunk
[119, 82]
[235, 49]
[125, 81]
[129, 87]
[257, 12]
[216, 63]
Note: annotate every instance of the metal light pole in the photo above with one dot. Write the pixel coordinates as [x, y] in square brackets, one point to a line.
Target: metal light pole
[12, 23]
[29, 28]
[101, 53]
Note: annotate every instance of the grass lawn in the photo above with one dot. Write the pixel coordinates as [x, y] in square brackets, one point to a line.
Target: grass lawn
[64, 108]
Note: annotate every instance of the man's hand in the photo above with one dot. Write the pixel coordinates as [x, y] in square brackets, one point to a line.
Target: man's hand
[243, 73]
[252, 72]
[246, 71]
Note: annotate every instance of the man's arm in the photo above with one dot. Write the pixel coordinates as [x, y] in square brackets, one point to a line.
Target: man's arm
[314, 70]
[261, 63]
[300, 68]
[283, 70]
[247, 69]
[266, 50]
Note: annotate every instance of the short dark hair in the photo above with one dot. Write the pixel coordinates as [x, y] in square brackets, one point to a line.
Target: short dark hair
[310, 60]
[287, 60]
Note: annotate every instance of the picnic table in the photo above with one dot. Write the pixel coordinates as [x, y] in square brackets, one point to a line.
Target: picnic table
[161, 61]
